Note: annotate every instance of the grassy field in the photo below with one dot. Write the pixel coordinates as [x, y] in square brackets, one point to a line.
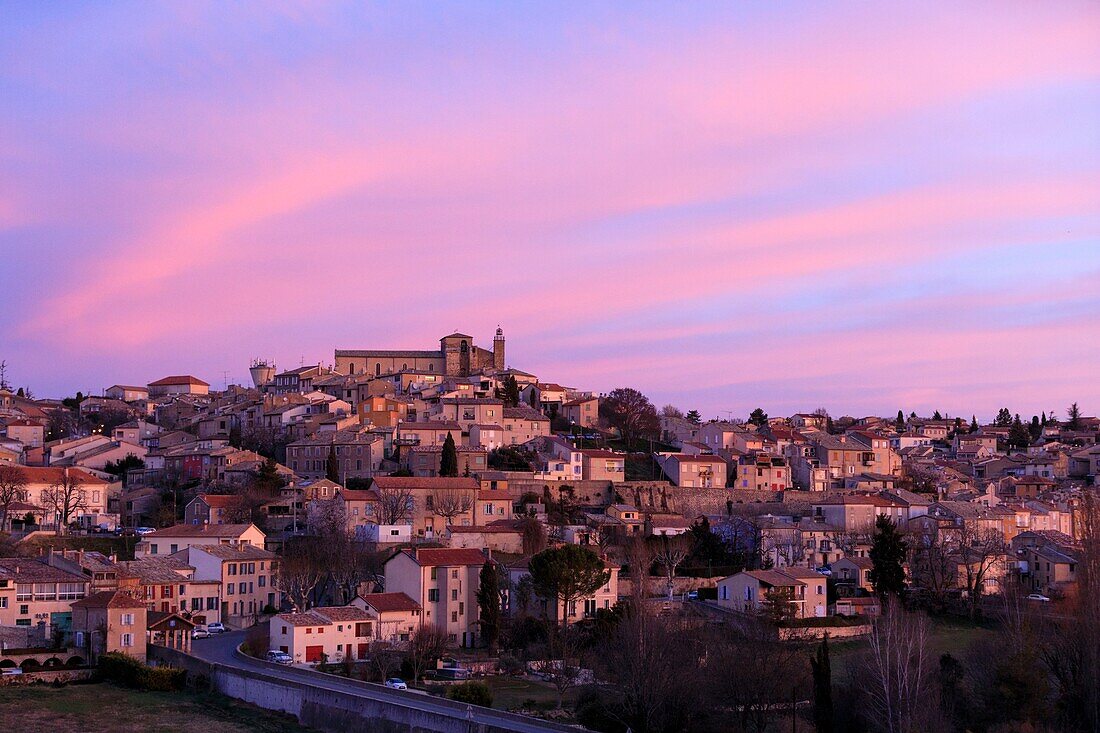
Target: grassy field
[513, 692]
[105, 708]
[946, 636]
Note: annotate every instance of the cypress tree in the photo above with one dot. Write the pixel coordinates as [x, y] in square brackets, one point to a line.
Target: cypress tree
[448, 462]
[887, 555]
[973, 423]
[488, 602]
[332, 466]
[823, 688]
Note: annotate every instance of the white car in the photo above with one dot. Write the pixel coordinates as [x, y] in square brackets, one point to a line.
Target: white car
[279, 657]
[199, 632]
[395, 683]
[216, 628]
[1038, 597]
[144, 530]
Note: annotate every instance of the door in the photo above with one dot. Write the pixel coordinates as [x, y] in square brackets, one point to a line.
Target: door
[313, 653]
[362, 654]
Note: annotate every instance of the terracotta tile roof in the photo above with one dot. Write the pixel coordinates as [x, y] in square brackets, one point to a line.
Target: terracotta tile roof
[431, 556]
[303, 619]
[156, 570]
[51, 475]
[342, 613]
[229, 552]
[390, 602]
[220, 501]
[109, 599]
[424, 482]
[180, 379]
[25, 570]
[201, 530]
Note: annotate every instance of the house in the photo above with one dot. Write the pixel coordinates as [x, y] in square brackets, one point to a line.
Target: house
[212, 509]
[87, 493]
[694, 471]
[178, 385]
[28, 432]
[504, 535]
[583, 412]
[425, 460]
[431, 503]
[126, 393]
[137, 432]
[853, 572]
[427, 433]
[761, 472]
[172, 539]
[110, 621]
[858, 606]
[858, 512]
[602, 465]
[323, 634]
[358, 454]
[300, 380]
[247, 576]
[554, 610]
[34, 593]
[792, 592]
[168, 585]
[396, 616]
[444, 583]
[523, 423]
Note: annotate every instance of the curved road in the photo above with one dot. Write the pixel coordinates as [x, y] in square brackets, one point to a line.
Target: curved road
[222, 649]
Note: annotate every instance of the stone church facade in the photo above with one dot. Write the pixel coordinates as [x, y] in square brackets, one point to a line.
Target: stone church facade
[457, 356]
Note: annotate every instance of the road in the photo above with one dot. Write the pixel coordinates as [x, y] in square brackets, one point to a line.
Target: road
[222, 649]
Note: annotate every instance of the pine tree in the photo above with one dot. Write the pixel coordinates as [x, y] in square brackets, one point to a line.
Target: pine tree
[1018, 436]
[693, 417]
[1004, 418]
[1074, 414]
[509, 391]
[887, 555]
[936, 415]
[448, 461]
[973, 423]
[1044, 418]
[823, 687]
[900, 421]
[1036, 428]
[332, 466]
[758, 417]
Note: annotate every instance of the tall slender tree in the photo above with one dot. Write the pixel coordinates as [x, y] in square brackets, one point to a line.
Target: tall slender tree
[488, 603]
[448, 461]
[1074, 414]
[332, 466]
[823, 687]
[900, 422]
[888, 550]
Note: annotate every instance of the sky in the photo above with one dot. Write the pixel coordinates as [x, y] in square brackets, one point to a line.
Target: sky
[859, 206]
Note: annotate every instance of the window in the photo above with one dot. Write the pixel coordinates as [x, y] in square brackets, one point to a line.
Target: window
[454, 573]
[454, 594]
[433, 595]
[262, 581]
[127, 619]
[232, 568]
[229, 588]
[3, 602]
[127, 640]
[454, 616]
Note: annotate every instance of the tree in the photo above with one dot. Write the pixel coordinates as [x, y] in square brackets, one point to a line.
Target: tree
[64, 498]
[1035, 429]
[758, 417]
[896, 672]
[451, 503]
[1018, 435]
[13, 485]
[631, 412]
[509, 458]
[822, 673]
[300, 569]
[900, 422]
[395, 505]
[266, 479]
[488, 603]
[532, 535]
[973, 423]
[979, 551]
[669, 552]
[936, 415]
[508, 391]
[428, 643]
[1004, 418]
[693, 417]
[776, 605]
[565, 575]
[448, 460]
[332, 466]
[672, 411]
[1074, 414]
[887, 555]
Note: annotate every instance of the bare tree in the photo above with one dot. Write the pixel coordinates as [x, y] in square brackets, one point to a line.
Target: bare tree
[896, 672]
[13, 487]
[428, 643]
[450, 503]
[384, 660]
[562, 667]
[395, 506]
[669, 552]
[301, 568]
[64, 498]
[981, 552]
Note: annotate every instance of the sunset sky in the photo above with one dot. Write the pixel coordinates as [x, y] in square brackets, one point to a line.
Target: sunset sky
[865, 206]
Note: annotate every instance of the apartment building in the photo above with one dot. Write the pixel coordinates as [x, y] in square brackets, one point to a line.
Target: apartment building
[246, 574]
[444, 583]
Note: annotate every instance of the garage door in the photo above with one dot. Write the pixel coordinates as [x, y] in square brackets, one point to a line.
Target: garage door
[313, 653]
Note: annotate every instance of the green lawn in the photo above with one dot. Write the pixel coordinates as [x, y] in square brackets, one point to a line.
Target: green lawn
[105, 708]
[512, 692]
[946, 636]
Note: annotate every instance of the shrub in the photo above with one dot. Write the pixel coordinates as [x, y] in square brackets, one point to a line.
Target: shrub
[128, 671]
[475, 693]
[708, 594]
[509, 664]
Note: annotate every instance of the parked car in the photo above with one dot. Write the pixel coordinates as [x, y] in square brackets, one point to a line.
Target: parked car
[199, 632]
[395, 683]
[824, 570]
[693, 595]
[144, 530]
[279, 657]
[1037, 597]
[216, 628]
[126, 532]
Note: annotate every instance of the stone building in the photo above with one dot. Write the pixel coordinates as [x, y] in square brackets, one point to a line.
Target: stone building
[457, 357]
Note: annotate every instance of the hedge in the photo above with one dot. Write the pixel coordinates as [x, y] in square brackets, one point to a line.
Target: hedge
[128, 671]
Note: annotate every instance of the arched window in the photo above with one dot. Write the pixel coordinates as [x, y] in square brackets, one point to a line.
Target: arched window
[377, 369]
[404, 367]
[431, 367]
[351, 367]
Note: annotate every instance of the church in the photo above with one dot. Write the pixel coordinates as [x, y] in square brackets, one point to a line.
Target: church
[457, 357]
